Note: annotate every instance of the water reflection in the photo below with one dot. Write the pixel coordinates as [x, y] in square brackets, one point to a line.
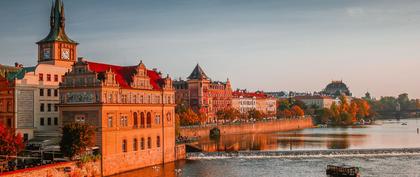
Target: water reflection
[389, 134]
[167, 170]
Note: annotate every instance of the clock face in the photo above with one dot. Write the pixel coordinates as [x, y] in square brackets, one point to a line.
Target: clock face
[47, 53]
[65, 54]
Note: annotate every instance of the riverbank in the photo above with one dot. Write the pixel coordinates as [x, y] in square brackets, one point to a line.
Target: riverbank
[256, 127]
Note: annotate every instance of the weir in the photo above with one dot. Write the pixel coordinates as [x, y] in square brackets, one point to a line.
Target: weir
[304, 153]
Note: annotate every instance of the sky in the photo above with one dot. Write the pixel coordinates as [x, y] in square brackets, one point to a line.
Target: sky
[269, 45]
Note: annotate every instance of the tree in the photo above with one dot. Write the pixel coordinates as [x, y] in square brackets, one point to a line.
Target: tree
[283, 105]
[255, 114]
[417, 103]
[297, 111]
[10, 143]
[323, 115]
[346, 118]
[189, 117]
[335, 113]
[284, 114]
[76, 138]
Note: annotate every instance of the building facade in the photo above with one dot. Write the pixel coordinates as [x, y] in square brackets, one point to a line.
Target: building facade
[131, 107]
[318, 101]
[34, 90]
[202, 94]
[245, 101]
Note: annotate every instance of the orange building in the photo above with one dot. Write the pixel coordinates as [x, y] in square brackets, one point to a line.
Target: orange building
[7, 102]
[202, 94]
[132, 108]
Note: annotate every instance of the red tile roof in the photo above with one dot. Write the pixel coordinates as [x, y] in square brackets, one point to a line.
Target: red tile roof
[312, 97]
[249, 94]
[124, 74]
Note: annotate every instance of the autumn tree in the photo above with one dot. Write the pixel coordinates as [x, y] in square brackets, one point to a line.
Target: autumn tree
[189, 117]
[10, 142]
[228, 114]
[284, 114]
[255, 114]
[297, 111]
[76, 138]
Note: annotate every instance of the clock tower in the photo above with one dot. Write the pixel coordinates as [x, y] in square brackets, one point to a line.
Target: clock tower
[57, 48]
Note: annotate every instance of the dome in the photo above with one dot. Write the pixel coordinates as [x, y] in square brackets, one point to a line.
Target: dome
[337, 88]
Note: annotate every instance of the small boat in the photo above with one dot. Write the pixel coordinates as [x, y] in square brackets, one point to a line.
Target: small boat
[342, 171]
[404, 123]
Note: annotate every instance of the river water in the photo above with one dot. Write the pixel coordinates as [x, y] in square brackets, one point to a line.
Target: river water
[387, 134]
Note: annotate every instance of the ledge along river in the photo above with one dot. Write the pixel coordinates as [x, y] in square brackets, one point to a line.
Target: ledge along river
[389, 149]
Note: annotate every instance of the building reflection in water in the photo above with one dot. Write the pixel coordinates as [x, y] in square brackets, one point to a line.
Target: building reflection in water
[167, 170]
[280, 141]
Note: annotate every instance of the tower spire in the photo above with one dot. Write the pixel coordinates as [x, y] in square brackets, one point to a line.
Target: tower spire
[57, 23]
[52, 15]
[62, 17]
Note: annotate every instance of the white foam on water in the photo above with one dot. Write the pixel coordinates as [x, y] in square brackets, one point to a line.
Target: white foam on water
[305, 154]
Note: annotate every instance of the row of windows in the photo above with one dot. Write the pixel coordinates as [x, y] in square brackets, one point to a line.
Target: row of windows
[247, 102]
[42, 121]
[144, 122]
[124, 98]
[49, 107]
[49, 78]
[136, 144]
[49, 92]
[9, 107]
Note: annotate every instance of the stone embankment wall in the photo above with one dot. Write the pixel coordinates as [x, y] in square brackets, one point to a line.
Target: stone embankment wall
[257, 127]
[91, 169]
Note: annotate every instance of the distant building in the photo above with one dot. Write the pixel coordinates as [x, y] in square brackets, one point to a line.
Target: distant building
[336, 89]
[317, 100]
[131, 107]
[245, 101]
[202, 94]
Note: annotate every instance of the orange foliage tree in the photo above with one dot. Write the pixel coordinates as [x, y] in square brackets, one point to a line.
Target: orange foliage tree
[297, 111]
[189, 117]
[10, 143]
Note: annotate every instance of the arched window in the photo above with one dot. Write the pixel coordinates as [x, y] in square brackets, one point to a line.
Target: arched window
[124, 146]
[168, 117]
[142, 120]
[158, 141]
[135, 145]
[149, 143]
[149, 120]
[135, 117]
[142, 143]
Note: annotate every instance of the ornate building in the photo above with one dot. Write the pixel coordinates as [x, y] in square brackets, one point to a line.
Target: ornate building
[336, 88]
[202, 94]
[132, 107]
[34, 90]
[246, 101]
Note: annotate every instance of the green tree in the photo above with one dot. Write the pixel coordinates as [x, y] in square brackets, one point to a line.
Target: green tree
[323, 115]
[76, 138]
[283, 105]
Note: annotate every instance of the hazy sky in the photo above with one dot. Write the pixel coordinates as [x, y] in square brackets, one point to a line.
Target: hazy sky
[267, 45]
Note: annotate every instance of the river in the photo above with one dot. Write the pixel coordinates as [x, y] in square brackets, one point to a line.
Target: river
[387, 134]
